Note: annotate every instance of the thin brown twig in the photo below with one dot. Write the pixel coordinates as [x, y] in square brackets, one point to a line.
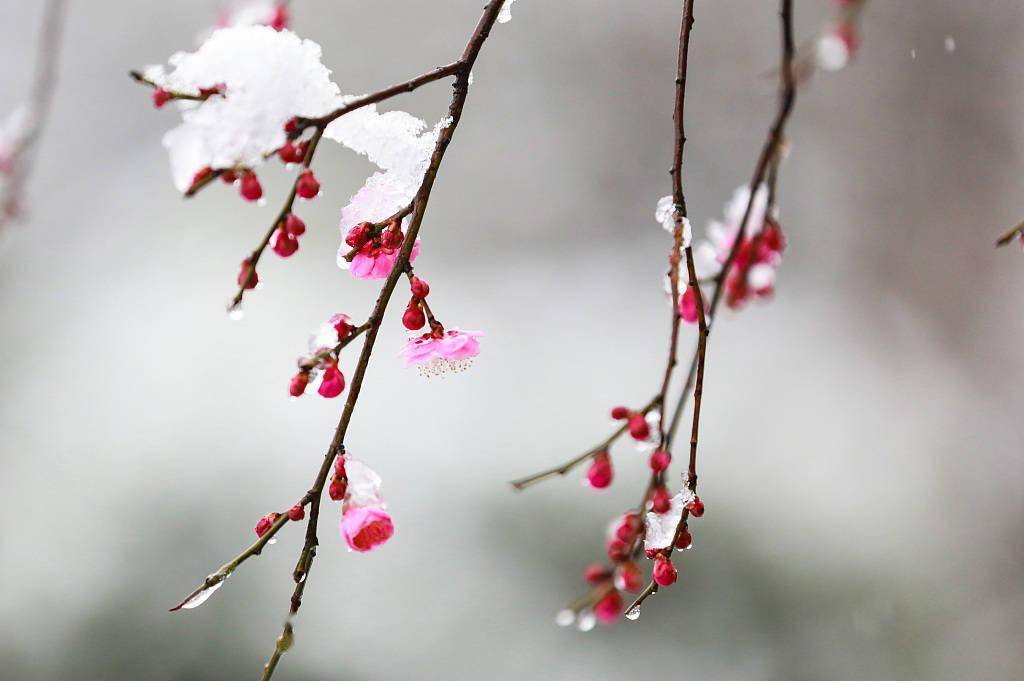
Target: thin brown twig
[1011, 234]
[768, 152]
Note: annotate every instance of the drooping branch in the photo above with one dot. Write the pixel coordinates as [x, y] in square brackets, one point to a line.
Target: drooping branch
[769, 152]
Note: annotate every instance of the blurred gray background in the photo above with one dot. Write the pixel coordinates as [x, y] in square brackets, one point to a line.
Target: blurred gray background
[862, 432]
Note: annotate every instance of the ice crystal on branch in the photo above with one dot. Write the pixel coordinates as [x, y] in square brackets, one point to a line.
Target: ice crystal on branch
[665, 214]
[268, 77]
[661, 527]
[506, 12]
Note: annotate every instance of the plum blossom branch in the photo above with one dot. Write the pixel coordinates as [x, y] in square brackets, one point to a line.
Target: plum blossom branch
[364, 524]
[769, 153]
[26, 124]
[1011, 234]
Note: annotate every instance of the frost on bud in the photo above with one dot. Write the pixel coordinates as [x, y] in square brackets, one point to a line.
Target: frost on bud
[664, 571]
[307, 185]
[265, 523]
[599, 475]
[620, 413]
[342, 324]
[161, 97]
[250, 187]
[696, 507]
[660, 459]
[285, 244]
[298, 384]
[660, 502]
[638, 427]
[296, 513]
[332, 383]
[419, 288]
[629, 577]
[413, 318]
[609, 608]
[596, 573]
[294, 225]
[247, 277]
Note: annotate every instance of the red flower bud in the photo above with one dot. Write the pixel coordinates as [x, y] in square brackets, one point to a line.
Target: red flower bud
[244, 279]
[337, 489]
[293, 225]
[289, 125]
[599, 475]
[618, 550]
[296, 513]
[629, 577]
[161, 97]
[660, 459]
[279, 21]
[413, 318]
[419, 288]
[664, 571]
[228, 176]
[696, 507]
[685, 540]
[298, 384]
[307, 185]
[290, 153]
[201, 176]
[660, 501]
[638, 427]
[250, 188]
[333, 382]
[357, 236]
[619, 413]
[609, 608]
[392, 238]
[596, 573]
[265, 523]
[284, 243]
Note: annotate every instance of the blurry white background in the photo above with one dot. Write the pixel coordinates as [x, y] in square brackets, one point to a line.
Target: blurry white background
[862, 434]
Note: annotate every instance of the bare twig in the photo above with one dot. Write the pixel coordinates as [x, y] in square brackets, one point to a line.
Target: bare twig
[1011, 234]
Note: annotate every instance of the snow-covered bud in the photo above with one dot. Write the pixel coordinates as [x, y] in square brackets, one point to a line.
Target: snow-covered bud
[696, 507]
[279, 20]
[660, 459]
[285, 244]
[660, 501]
[244, 279]
[596, 573]
[599, 475]
[228, 176]
[685, 540]
[413, 318]
[201, 176]
[250, 187]
[294, 225]
[609, 608]
[307, 185]
[265, 523]
[332, 383]
[638, 426]
[419, 288]
[296, 513]
[664, 571]
[629, 577]
[620, 413]
[298, 384]
[161, 97]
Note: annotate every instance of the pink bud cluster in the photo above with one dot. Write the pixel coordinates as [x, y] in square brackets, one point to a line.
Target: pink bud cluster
[375, 248]
[414, 318]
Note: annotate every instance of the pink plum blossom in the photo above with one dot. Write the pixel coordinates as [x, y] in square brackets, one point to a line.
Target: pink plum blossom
[364, 528]
[435, 354]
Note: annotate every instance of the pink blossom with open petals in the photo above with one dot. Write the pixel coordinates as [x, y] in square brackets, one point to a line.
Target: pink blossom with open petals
[452, 351]
[376, 262]
[364, 528]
